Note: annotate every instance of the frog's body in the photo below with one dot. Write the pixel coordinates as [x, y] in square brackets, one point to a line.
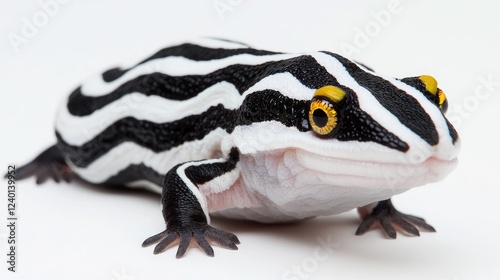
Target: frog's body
[221, 128]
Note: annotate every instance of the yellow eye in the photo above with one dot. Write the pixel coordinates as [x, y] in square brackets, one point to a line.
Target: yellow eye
[323, 115]
[430, 83]
[439, 96]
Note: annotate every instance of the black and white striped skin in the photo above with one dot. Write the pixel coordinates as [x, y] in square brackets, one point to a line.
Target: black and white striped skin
[222, 128]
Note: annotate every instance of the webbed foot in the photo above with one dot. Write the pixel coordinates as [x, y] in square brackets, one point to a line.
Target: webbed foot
[200, 232]
[391, 220]
[185, 209]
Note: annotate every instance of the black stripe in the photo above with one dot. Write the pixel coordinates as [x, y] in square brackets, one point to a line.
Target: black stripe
[136, 172]
[357, 125]
[398, 102]
[189, 51]
[257, 107]
[156, 137]
[267, 105]
[304, 68]
[203, 173]
[452, 131]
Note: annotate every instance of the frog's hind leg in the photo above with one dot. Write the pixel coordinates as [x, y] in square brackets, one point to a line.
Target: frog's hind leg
[389, 220]
[49, 164]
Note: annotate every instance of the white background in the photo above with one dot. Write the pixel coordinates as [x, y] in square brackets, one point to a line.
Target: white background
[72, 231]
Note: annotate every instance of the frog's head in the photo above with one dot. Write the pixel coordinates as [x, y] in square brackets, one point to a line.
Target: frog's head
[414, 107]
[365, 130]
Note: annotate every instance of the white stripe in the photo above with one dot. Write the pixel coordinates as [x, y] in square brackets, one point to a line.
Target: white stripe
[369, 104]
[128, 153]
[175, 66]
[181, 171]
[79, 130]
[286, 84]
[445, 148]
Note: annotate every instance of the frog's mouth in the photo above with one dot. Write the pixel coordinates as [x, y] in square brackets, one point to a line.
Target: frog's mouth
[363, 173]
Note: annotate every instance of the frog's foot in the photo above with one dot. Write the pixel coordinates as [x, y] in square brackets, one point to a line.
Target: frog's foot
[185, 233]
[50, 163]
[388, 218]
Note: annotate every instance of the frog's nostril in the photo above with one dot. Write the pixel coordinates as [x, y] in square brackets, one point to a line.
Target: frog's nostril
[416, 156]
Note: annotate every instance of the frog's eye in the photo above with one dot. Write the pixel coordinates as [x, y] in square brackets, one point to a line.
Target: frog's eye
[442, 101]
[437, 95]
[323, 111]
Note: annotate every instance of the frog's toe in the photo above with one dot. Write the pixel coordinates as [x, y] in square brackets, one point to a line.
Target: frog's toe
[154, 239]
[164, 239]
[420, 223]
[49, 164]
[186, 234]
[203, 243]
[391, 220]
[225, 239]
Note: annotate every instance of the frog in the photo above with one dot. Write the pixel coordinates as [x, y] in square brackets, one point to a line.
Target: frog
[221, 129]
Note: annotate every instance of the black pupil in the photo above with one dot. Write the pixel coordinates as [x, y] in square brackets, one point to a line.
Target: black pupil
[320, 118]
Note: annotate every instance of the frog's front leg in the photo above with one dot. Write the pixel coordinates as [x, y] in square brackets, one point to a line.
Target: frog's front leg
[185, 209]
[387, 217]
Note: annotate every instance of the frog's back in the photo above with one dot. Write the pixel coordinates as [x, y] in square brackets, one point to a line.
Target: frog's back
[130, 126]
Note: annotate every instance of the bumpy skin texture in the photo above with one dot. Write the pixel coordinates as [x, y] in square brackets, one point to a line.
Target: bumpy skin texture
[157, 137]
[225, 129]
